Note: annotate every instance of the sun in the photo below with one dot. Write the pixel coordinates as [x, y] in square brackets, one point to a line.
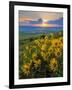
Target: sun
[44, 20]
[44, 23]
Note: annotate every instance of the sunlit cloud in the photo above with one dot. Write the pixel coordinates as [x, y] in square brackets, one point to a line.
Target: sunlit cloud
[22, 19]
[34, 15]
[40, 19]
[47, 25]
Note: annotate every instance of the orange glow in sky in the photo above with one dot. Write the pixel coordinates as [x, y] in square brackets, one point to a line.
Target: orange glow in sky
[46, 25]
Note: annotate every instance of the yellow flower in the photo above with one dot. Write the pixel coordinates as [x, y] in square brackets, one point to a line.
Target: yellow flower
[53, 65]
[34, 47]
[24, 55]
[44, 47]
[34, 55]
[39, 45]
[44, 55]
[41, 41]
[46, 40]
[50, 49]
[46, 37]
[30, 49]
[37, 63]
[58, 52]
[27, 47]
[55, 42]
[61, 42]
[61, 39]
[26, 69]
[36, 41]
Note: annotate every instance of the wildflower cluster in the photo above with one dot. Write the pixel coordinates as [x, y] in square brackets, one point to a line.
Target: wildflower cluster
[42, 57]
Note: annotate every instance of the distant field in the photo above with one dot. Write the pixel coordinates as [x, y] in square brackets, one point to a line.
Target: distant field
[40, 55]
[23, 35]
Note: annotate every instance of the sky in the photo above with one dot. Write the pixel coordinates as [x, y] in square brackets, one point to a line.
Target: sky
[40, 19]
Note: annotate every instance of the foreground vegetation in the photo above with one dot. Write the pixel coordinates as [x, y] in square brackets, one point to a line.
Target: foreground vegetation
[41, 56]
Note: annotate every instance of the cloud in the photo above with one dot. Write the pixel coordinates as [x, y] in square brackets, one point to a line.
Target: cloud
[33, 15]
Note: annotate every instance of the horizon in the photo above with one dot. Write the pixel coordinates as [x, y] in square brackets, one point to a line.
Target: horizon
[33, 21]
